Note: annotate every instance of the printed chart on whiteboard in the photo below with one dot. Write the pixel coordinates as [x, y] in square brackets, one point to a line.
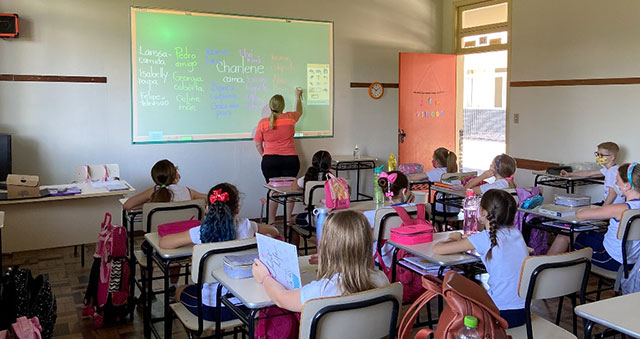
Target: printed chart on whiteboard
[204, 76]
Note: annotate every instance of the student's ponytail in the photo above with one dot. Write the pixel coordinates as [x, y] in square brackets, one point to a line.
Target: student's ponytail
[163, 173]
[218, 224]
[452, 163]
[276, 104]
[501, 210]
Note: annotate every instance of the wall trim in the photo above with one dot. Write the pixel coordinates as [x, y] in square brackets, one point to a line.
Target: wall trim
[535, 165]
[576, 82]
[52, 78]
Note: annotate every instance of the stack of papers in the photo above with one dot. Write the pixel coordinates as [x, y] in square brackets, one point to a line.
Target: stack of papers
[556, 211]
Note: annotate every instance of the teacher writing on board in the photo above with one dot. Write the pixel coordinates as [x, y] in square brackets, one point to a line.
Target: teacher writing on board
[274, 142]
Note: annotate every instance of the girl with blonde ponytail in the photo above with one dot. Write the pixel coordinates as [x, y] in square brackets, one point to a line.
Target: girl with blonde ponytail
[501, 249]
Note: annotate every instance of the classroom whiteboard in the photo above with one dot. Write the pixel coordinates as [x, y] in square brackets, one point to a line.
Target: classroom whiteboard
[204, 76]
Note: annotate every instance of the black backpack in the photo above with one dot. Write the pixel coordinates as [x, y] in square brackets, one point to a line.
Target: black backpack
[22, 295]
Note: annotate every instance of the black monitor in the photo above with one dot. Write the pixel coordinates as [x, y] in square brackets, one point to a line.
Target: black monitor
[5, 156]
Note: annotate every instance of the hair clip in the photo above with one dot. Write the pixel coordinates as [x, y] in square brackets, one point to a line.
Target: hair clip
[163, 186]
[218, 195]
[390, 177]
[389, 194]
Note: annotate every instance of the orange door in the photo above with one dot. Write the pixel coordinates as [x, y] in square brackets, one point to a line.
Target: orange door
[427, 106]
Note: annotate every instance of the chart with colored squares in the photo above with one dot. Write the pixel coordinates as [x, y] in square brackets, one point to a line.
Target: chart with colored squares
[204, 76]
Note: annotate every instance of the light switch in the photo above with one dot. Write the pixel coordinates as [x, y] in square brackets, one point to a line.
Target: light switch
[516, 118]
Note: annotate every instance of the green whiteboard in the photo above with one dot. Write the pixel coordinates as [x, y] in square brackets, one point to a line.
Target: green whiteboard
[203, 76]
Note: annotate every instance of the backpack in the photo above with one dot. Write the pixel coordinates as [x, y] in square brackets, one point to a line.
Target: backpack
[23, 328]
[276, 323]
[462, 297]
[411, 282]
[25, 296]
[107, 294]
[538, 240]
[336, 192]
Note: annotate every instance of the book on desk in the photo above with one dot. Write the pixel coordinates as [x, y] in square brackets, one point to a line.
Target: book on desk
[557, 211]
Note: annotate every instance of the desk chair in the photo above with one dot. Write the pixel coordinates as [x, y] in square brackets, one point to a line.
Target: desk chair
[628, 230]
[313, 196]
[368, 314]
[551, 276]
[154, 214]
[206, 258]
[440, 218]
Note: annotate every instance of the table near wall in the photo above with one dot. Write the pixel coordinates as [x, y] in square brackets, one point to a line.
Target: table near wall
[57, 221]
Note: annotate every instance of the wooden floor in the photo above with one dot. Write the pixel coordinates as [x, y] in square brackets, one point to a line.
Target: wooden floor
[69, 281]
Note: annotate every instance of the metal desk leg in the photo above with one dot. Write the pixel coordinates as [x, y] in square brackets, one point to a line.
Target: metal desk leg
[251, 323]
[571, 186]
[266, 205]
[587, 329]
[219, 315]
[168, 319]
[535, 181]
[394, 264]
[284, 218]
[571, 242]
[358, 181]
[148, 296]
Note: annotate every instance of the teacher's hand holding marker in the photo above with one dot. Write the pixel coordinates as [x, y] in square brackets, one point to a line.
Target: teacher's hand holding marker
[274, 142]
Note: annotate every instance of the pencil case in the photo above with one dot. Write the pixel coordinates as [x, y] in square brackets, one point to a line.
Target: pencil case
[412, 234]
[572, 200]
[239, 266]
[555, 170]
[281, 181]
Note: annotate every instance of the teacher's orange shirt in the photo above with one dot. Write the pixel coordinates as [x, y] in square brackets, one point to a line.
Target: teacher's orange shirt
[279, 140]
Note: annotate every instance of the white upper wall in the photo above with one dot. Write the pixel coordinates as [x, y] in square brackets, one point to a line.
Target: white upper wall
[56, 126]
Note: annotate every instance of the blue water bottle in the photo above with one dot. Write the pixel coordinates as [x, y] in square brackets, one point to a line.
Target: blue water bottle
[320, 213]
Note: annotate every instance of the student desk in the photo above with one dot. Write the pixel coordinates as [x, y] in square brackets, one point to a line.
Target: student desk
[568, 183]
[349, 163]
[419, 181]
[252, 294]
[574, 225]
[618, 313]
[163, 258]
[281, 195]
[446, 197]
[57, 221]
[425, 251]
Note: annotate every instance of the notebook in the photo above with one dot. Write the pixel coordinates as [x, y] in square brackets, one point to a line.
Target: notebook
[281, 259]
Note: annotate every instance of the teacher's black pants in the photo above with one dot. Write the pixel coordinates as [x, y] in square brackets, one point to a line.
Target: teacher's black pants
[274, 166]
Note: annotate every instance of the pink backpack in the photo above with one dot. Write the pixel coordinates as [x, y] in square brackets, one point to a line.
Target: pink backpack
[411, 281]
[23, 328]
[178, 226]
[108, 288]
[336, 192]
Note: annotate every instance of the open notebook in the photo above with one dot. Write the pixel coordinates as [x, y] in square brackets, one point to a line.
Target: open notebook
[281, 259]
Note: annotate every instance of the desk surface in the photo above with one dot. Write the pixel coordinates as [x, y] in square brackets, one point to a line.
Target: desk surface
[569, 219]
[287, 190]
[88, 191]
[555, 176]
[336, 159]
[618, 313]
[459, 193]
[252, 293]
[181, 252]
[425, 251]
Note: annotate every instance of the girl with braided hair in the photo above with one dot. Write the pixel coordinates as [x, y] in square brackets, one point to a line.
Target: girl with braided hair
[501, 249]
[221, 223]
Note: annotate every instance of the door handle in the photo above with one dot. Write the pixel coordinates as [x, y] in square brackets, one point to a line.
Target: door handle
[401, 135]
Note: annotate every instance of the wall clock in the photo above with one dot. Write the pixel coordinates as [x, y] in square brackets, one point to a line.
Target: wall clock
[376, 90]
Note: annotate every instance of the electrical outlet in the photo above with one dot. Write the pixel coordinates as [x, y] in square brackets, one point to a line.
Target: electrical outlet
[516, 118]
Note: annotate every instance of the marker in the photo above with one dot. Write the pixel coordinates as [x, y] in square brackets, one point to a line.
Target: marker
[300, 89]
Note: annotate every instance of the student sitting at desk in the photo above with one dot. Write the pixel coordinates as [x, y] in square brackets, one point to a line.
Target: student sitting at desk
[606, 156]
[318, 171]
[607, 248]
[165, 175]
[501, 249]
[220, 224]
[443, 161]
[346, 234]
[503, 167]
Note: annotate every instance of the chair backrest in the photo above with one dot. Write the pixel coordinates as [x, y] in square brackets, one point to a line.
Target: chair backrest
[458, 176]
[313, 193]
[1, 221]
[96, 172]
[386, 219]
[368, 314]
[158, 213]
[550, 276]
[629, 225]
[213, 255]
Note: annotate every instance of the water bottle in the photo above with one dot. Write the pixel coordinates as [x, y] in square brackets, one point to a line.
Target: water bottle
[470, 205]
[469, 331]
[378, 196]
[392, 163]
[356, 152]
[320, 213]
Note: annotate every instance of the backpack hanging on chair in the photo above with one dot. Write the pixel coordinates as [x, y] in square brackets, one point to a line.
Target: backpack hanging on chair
[411, 281]
[107, 294]
[336, 192]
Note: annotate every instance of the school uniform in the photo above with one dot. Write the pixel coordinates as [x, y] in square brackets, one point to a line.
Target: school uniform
[325, 288]
[607, 248]
[504, 270]
[498, 184]
[610, 175]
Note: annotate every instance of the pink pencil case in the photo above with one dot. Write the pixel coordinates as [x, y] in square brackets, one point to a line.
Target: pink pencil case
[178, 226]
[281, 181]
[412, 234]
